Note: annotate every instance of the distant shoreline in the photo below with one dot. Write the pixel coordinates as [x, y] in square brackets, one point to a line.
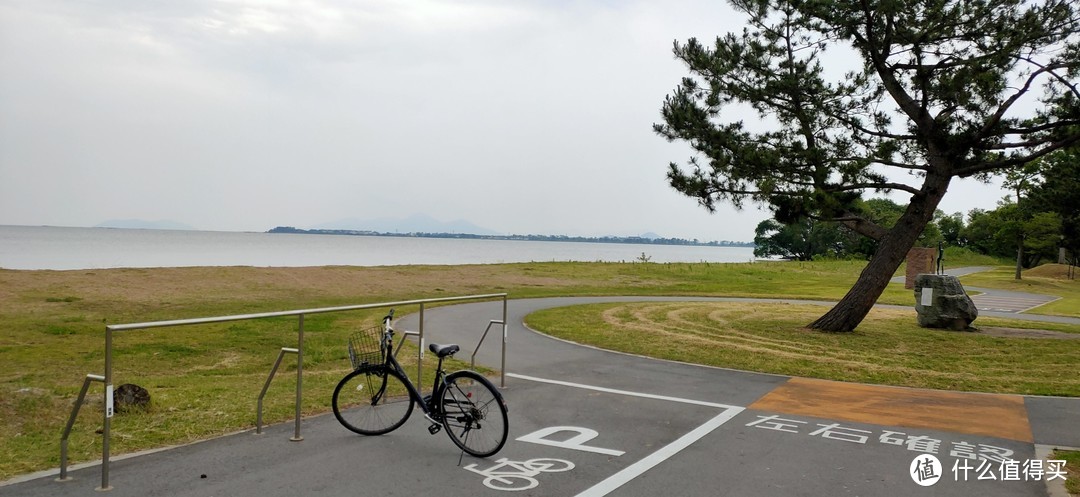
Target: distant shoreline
[57, 248]
[636, 240]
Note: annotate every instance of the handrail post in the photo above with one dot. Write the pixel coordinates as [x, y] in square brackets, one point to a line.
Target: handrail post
[420, 353]
[299, 378]
[405, 334]
[71, 424]
[273, 371]
[502, 369]
[107, 415]
[472, 359]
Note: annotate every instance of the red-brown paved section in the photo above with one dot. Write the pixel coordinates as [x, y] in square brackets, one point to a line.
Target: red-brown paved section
[1002, 416]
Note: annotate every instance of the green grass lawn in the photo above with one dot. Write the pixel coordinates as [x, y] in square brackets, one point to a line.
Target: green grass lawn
[1072, 469]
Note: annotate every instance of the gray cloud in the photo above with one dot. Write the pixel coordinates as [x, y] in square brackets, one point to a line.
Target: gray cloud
[523, 117]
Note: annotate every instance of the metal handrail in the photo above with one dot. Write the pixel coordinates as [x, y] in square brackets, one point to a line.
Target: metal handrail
[321, 310]
[107, 377]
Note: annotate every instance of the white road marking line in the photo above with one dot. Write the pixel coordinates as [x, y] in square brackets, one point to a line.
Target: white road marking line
[634, 470]
[623, 392]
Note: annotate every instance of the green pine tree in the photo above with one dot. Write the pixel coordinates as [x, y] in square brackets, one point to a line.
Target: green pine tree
[940, 89]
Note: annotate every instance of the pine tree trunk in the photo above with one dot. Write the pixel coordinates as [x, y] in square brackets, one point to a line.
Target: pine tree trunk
[892, 249]
[850, 310]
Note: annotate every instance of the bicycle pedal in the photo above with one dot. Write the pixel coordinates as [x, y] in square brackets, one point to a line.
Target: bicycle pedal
[433, 429]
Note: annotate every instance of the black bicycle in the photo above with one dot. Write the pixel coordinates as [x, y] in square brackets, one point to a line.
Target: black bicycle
[378, 397]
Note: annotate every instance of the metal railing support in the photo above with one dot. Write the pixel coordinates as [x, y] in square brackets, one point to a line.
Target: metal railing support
[106, 429]
[405, 334]
[273, 371]
[420, 353]
[502, 367]
[299, 379]
[472, 359]
[71, 424]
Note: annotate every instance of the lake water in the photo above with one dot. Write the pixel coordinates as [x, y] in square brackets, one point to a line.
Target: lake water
[36, 247]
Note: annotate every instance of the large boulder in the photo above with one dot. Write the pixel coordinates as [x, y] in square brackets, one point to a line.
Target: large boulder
[942, 302]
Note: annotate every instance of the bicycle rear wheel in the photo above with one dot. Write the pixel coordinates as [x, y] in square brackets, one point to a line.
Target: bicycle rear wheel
[474, 413]
[372, 401]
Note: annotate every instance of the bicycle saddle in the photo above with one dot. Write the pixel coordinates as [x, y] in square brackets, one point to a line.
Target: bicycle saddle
[443, 350]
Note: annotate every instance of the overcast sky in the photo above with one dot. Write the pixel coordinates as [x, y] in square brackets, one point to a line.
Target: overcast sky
[531, 116]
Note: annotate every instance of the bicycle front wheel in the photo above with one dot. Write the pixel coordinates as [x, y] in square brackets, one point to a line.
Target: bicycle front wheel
[372, 401]
[474, 413]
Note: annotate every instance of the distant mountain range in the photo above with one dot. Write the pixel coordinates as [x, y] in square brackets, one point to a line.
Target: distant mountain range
[142, 224]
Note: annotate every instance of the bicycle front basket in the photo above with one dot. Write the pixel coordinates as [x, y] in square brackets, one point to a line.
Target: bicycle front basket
[365, 347]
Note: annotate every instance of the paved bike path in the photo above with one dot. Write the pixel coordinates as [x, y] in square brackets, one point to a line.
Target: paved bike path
[677, 428]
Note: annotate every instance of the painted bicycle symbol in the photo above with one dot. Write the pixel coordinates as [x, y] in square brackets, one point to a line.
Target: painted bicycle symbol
[518, 475]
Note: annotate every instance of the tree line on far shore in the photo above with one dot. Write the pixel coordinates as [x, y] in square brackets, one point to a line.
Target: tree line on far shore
[536, 238]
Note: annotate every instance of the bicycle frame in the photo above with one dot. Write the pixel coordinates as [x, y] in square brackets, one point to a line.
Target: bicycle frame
[417, 396]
